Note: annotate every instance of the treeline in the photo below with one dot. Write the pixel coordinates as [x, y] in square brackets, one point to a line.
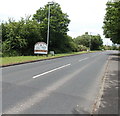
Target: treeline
[19, 37]
[86, 41]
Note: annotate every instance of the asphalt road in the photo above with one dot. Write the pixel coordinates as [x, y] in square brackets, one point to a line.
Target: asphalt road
[54, 86]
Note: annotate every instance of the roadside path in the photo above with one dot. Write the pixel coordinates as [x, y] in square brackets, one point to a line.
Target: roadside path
[110, 97]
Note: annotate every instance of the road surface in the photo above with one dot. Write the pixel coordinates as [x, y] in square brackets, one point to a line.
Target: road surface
[54, 86]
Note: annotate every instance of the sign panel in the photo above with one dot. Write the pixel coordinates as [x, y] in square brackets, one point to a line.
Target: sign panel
[40, 48]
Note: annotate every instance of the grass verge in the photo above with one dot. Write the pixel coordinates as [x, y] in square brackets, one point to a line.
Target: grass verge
[21, 59]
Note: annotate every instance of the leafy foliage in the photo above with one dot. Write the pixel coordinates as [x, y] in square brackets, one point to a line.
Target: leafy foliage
[58, 27]
[112, 21]
[92, 41]
[20, 37]
[82, 48]
[96, 42]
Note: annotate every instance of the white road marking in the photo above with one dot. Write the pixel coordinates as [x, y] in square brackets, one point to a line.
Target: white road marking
[50, 71]
[83, 59]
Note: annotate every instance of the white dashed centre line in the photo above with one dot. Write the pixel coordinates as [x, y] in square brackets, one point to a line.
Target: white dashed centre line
[50, 71]
[83, 59]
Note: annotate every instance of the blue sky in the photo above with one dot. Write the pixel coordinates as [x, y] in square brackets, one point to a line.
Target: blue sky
[85, 15]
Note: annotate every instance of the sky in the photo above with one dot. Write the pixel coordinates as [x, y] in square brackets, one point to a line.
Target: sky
[85, 15]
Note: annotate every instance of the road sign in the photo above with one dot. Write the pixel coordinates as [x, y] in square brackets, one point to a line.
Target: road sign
[40, 48]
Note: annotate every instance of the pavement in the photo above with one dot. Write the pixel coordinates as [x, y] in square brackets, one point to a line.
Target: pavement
[109, 103]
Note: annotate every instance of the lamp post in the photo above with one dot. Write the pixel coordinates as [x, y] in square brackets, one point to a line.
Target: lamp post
[49, 3]
[90, 42]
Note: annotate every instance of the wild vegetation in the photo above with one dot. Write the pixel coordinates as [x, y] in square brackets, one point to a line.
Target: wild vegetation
[19, 37]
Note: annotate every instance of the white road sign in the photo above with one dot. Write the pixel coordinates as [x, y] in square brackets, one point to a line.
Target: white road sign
[40, 48]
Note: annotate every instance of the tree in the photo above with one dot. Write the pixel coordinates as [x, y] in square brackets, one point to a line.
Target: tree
[31, 33]
[19, 37]
[96, 42]
[58, 26]
[82, 48]
[83, 40]
[92, 41]
[12, 41]
[112, 22]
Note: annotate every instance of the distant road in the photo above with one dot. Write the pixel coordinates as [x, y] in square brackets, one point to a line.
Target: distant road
[53, 86]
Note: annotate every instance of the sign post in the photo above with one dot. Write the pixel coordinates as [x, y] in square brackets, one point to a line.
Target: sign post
[40, 48]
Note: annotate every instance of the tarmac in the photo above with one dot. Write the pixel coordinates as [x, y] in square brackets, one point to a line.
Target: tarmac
[109, 102]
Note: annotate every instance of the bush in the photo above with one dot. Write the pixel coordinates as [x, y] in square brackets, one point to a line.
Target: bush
[82, 48]
[8, 51]
[11, 53]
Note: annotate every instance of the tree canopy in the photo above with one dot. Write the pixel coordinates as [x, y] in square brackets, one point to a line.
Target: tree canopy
[19, 37]
[93, 41]
[112, 22]
[59, 22]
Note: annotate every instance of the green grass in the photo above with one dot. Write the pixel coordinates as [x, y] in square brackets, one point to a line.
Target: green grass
[20, 59]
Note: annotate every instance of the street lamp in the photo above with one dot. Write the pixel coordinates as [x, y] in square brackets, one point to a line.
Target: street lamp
[90, 42]
[49, 3]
